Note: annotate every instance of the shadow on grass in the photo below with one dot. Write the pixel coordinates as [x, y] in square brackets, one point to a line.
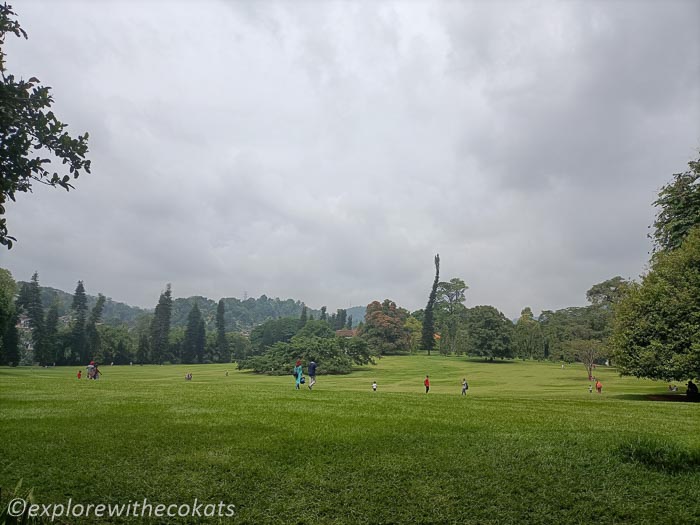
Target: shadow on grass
[682, 398]
[494, 362]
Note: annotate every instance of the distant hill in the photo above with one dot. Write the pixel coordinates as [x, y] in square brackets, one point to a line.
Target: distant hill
[240, 315]
[114, 313]
[358, 314]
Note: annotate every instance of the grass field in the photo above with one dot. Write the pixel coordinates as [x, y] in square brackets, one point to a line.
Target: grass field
[528, 444]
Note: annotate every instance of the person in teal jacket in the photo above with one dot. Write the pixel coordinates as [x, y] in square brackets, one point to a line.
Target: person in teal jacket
[298, 373]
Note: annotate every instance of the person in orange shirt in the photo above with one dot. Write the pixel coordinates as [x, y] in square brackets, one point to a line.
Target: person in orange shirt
[427, 384]
[599, 386]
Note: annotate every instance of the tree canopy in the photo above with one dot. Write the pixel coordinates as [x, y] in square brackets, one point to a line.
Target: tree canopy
[450, 311]
[30, 134]
[657, 324]
[489, 333]
[385, 330]
[679, 209]
[427, 337]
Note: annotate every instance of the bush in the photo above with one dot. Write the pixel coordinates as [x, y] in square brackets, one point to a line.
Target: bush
[333, 355]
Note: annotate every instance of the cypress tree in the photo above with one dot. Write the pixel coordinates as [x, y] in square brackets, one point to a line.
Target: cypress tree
[79, 307]
[427, 339]
[35, 312]
[193, 344]
[341, 318]
[160, 326]
[304, 316]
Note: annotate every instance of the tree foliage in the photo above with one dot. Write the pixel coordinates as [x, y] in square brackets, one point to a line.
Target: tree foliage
[450, 312]
[79, 348]
[8, 318]
[588, 352]
[657, 324]
[679, 209]
[30, 133]
[428, 335]
[384, 328]
[223, 354]
[194, 339]
[608, 292]
[29, 302]
[528, 341]
[160, 327]
[415, 329]
[273, 331]
[489, 333]
[334, 355]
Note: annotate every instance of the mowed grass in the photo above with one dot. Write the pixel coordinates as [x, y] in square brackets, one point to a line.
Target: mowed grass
[528, 444]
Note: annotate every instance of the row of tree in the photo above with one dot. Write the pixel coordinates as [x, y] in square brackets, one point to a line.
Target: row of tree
[240, 314]
[569, 334]
[29, 333]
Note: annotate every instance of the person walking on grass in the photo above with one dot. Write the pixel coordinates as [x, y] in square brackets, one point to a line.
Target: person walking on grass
[465, 386]
[374, 386]
[298, 373]
[312, 373]
[599, 386]
[427, 384]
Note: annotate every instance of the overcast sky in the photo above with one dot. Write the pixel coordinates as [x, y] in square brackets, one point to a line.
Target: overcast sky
[327, 151]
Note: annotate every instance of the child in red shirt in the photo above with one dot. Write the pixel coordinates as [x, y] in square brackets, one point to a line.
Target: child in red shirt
[427, 384]
[80, 374]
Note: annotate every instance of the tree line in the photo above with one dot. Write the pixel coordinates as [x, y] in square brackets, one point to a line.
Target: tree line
[648, 328]
[177, 331]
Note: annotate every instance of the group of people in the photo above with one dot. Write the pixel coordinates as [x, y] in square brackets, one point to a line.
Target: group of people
[691, 392]
[598, 386]
[465, 385]
[299, 378]
[92, 371]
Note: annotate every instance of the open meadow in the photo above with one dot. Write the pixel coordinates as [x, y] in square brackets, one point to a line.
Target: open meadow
[528, 444]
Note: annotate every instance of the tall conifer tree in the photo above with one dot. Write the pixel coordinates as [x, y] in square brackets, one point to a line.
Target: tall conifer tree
[193, 344]
[160, 326]
[79, 338]
[428, 339]
[35, 312]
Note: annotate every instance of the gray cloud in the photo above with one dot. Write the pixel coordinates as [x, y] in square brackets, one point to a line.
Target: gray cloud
[326, 151]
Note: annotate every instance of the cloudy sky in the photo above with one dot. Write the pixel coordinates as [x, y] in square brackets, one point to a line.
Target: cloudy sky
[325, 151]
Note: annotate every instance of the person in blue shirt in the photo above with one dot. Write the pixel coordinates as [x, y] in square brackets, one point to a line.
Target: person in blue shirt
[298, 373]
[312, 374]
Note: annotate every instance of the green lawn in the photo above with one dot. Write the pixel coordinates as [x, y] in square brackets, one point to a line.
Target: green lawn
[528, 444]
